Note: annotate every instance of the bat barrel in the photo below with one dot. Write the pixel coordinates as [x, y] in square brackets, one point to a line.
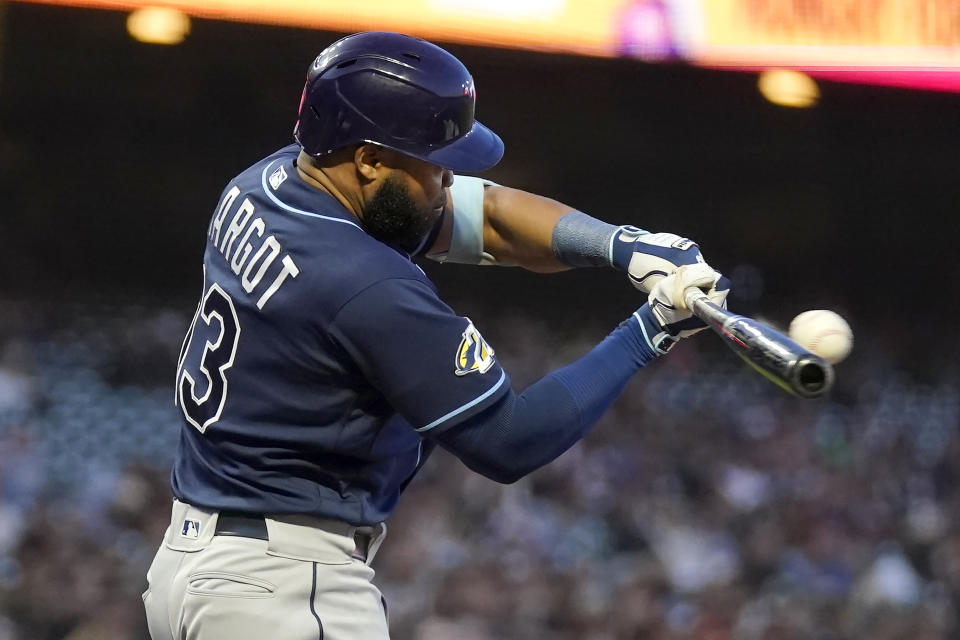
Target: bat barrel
[812, 377]
[770, 352]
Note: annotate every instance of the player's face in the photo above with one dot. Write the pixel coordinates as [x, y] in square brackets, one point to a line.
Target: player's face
[408, 203]
[426, 182]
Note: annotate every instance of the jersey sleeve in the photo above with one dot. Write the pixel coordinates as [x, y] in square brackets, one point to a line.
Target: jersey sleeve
[432, 366]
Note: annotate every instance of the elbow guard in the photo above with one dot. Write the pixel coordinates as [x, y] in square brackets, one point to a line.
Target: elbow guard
[466, 243]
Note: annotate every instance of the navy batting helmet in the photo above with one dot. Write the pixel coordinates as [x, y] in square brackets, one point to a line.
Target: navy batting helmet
[399, 92]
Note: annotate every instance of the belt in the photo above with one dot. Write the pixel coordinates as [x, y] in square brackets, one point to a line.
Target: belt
[248, 525]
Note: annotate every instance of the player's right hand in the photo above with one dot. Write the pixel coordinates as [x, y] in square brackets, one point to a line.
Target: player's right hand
[669, 306]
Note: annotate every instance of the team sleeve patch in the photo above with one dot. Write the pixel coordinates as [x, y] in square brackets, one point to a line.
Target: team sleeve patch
[474, 353]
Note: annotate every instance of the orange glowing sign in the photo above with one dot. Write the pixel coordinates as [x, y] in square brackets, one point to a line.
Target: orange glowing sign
[866, 32]
[909, 42]
[898, 42]
[559, 25]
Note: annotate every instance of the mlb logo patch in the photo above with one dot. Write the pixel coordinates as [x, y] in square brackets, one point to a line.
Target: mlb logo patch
[191, 529]
[277, 178]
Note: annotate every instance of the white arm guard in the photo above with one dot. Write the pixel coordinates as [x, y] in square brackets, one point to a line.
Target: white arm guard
[466, 242]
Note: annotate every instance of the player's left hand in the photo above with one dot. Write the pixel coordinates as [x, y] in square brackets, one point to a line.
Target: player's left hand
[650, 257]
[668, 304]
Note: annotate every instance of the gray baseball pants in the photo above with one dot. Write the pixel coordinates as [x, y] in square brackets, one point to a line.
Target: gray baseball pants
[303, 583]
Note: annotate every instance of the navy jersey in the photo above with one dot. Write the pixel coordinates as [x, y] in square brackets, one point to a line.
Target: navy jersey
[318, 360]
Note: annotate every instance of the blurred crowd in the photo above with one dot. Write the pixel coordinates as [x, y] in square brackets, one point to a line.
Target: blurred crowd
[706, 505]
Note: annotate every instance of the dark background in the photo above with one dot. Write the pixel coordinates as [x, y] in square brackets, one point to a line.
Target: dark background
[113, 154]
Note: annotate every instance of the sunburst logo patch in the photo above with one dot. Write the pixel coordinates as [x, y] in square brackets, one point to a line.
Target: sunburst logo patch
[474, 354]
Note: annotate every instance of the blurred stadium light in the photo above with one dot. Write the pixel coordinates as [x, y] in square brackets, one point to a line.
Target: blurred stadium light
[788, 88]
[158, 25]
[913, 43]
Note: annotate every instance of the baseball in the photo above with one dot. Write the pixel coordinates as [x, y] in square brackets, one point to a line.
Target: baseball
[824, 333]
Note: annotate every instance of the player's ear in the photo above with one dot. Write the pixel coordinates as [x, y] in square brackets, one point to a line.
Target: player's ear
[368, 160]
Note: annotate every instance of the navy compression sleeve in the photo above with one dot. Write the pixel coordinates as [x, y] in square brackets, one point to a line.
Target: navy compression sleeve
[521, 433]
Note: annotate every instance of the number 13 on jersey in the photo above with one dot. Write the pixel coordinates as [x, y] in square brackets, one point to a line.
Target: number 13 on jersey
[208, 352]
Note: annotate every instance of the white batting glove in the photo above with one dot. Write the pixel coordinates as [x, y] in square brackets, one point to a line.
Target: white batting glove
[648, 258]
[669, 306]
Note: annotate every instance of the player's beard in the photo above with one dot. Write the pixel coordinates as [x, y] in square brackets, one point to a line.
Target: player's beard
[393, 217]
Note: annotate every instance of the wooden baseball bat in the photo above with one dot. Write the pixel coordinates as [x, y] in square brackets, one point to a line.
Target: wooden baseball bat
[774, 355]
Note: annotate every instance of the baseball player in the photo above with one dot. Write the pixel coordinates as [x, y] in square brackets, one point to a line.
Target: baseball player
[322, 367]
